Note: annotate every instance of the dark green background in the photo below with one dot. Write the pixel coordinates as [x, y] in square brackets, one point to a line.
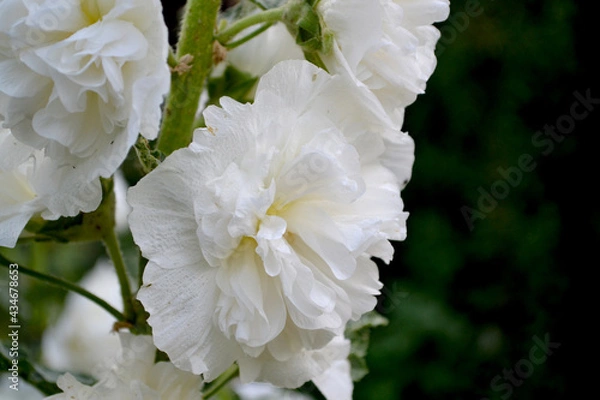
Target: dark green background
[465, 304]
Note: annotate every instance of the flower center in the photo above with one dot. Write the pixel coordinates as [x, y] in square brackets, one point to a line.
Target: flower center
[94, 10]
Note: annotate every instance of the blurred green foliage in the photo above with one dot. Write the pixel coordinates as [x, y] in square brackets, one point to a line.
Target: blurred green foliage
[465, 302]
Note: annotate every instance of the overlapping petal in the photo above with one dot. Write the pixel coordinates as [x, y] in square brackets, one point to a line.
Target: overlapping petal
[135, 375]
[81, 79]
[33, 183]
[386, 45]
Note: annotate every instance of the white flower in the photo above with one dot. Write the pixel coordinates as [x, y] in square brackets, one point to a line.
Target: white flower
[259, 234]
[81, 340]
[260, 54]
[82, 78]
[32, 183]
[387, 45]
[265, 391]
[134, 375]
[8, 383]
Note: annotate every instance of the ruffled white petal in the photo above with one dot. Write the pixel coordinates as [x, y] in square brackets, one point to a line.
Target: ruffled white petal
[181, 303]
[301, 367]
[33, 183]
[81, 80]
[134, 375]
[386, 45]
[336, 383]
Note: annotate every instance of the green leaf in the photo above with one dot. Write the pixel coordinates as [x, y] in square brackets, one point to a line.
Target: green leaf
[358, 332]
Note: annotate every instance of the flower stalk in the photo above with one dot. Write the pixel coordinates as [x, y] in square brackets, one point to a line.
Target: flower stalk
[114, 251]
[195, 44]
[269, 16]
[221, 381]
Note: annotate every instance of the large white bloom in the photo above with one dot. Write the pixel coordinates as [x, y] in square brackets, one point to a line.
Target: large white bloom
[32, 183]
[259, 234]
[388, 45]
[82, 78]
[134, 375]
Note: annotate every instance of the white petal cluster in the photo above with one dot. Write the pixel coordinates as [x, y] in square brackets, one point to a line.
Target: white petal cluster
[259, 234]
[33, 183]
[135, 375]
[387, 45]
[82, 78]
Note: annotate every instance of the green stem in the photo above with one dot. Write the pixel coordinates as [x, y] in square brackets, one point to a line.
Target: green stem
[112, 246]
[233, 45]
[196, 40]
[269, 16]
[171, 60]
[221, 381]
[63, 284]
[258, 4]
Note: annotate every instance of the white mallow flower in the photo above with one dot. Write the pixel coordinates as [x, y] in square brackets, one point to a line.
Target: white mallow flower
[31, 183]
[387, 45]
[259, 234]
[81, 339]
[82, 78]
[135, 375]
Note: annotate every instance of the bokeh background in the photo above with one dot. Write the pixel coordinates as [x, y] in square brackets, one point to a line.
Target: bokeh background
[489, 269]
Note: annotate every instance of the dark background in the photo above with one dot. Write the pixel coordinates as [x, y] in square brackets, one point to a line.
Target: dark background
[468, 303]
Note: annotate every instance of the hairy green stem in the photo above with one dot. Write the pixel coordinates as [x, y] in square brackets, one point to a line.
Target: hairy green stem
[233, 45]
[63, 284]
[171, 60]
[196, 44]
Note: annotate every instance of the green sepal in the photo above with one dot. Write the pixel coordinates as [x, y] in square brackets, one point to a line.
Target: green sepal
[306, 25]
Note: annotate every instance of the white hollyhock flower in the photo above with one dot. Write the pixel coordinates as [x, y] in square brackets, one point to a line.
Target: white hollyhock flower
[387, 45]
[82, 78]
[134, 375]
[32, 183]
[81, 340]
[259, 234]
